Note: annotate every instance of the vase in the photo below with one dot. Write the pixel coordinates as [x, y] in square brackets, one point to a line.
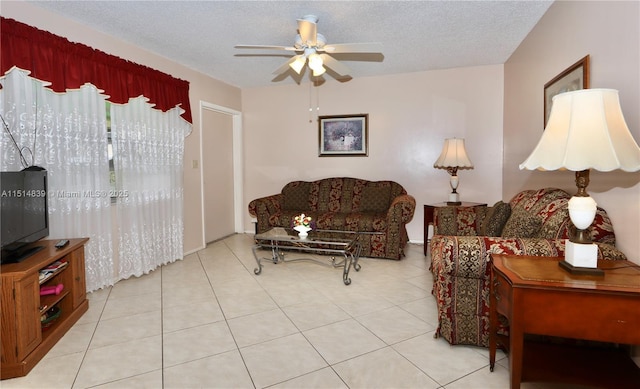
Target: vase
[303, 231]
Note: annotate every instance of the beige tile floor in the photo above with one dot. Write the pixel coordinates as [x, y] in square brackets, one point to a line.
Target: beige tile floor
[208, 322]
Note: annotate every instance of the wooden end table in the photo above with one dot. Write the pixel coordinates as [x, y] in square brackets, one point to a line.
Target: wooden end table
[538, 297]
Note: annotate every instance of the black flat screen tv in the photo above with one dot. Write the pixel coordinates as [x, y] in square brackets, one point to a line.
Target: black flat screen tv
[24, 213]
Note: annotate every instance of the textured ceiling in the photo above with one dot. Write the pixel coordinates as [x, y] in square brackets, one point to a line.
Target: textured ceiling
[416, 35]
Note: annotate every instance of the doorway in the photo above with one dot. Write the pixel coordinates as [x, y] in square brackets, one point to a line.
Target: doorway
[221, 179]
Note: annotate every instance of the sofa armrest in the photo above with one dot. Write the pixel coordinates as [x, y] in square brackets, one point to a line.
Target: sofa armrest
[263, 208]
[459, 220]
[468, 256]
[402, 208]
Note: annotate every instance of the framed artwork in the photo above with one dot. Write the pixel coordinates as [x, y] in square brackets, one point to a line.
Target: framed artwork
[344, 135]
[575, 77]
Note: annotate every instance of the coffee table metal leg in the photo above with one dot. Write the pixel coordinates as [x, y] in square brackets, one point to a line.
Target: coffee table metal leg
[348, 260]
[276, 253]
[351, 257]
[356, 265]
[258, 269]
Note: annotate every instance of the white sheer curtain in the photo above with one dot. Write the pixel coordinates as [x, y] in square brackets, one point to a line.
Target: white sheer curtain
[148, 148]
[66, 134]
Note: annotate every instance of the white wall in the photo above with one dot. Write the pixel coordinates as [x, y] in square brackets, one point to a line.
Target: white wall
[609, 32]
[410, 115]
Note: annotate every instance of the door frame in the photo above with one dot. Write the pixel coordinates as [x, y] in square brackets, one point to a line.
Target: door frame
[237, 164]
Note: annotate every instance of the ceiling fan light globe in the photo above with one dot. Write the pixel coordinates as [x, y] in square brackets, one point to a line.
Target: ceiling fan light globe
[315, 62]
[298, 64]
[319, 72]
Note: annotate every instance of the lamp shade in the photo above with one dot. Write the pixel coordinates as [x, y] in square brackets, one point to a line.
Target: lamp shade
[453, 155]
[586, 130]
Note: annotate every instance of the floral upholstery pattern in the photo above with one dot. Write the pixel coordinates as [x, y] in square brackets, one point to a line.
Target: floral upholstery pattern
[458, 220]
[381, 208]
[495, 219]
[550, 205]
[521, 224]
[460, 264]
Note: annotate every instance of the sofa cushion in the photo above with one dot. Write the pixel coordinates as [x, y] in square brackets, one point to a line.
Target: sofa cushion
[296, 196]
[495, 219]
[369, 222]
[375, 198]
[521, 224]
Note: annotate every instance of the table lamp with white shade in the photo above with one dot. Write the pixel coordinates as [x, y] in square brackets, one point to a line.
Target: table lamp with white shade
[453, 157]
[586, 130]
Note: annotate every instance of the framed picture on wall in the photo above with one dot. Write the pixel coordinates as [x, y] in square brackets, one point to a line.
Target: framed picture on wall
[575, 77]
[344, 135]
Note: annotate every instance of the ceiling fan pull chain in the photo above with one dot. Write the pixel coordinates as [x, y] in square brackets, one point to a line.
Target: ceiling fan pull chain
[310, 103]
[317, 102]
[312, 84]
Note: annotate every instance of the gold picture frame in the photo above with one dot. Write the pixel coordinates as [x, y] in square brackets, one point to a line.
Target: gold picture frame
[575, 77]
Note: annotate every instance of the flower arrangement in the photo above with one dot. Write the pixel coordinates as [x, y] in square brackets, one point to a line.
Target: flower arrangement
[303, 224]
[302, 220]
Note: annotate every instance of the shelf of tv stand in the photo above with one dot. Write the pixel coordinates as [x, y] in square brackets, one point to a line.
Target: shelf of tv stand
[54, 273]
[50, 301]
[24, 341]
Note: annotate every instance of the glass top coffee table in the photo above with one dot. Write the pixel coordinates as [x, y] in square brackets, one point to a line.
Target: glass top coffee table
[343, 243]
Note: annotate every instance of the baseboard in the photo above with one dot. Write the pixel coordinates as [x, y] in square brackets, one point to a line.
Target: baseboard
[194, 250]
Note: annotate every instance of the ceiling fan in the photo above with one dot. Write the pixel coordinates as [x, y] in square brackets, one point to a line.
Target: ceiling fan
[312, 47]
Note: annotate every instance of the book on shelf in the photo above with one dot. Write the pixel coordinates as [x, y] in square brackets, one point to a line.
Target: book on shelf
[52, 268]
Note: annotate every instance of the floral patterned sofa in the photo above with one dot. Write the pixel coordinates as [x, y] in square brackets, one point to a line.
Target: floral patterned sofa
[345, 204]
[534, 222]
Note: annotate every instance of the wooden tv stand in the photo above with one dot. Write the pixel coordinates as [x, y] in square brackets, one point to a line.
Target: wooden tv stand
[24, 340]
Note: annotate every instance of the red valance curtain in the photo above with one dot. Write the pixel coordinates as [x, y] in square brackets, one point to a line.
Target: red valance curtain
[69, 65]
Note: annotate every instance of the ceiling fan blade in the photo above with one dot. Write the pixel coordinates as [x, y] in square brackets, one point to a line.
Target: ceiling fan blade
[308, 31]
[354, 48]
[268, 47]
[285, 66]
[334, 65]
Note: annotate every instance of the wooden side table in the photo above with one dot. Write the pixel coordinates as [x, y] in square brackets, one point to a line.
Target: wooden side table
[430, 211]
[538, 297]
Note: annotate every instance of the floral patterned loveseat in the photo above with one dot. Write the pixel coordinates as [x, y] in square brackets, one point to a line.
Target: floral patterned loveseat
[345, 204]
[534, 222]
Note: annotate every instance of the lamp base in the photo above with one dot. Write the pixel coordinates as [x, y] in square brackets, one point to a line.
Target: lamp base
[581, 258]
[581, 254]
[454, 199]
[585, 271]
